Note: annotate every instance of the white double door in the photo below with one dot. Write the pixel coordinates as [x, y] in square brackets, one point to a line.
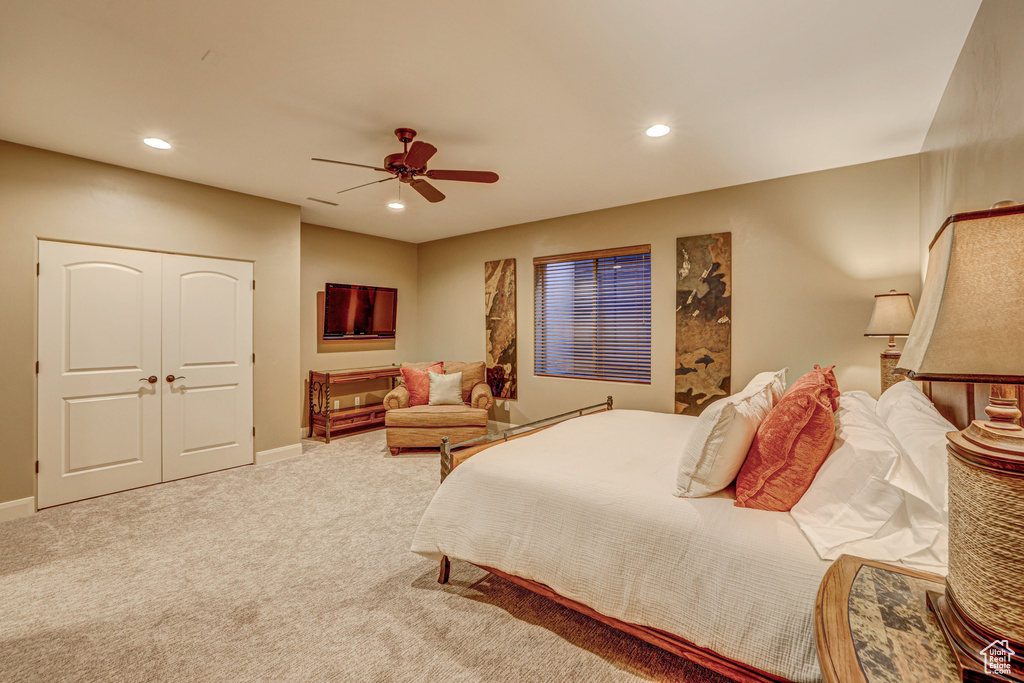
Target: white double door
[145, 368]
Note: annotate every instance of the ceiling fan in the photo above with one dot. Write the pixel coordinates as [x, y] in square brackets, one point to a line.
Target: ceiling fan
[411, 163]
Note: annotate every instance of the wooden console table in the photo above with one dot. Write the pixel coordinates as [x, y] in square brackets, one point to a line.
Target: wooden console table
[323, 418]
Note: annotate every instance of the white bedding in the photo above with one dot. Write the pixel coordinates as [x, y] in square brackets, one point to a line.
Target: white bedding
[587, 507]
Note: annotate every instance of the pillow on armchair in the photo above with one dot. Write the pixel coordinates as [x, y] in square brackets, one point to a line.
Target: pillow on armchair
[417, 381]
[446, 390]
[472, 374]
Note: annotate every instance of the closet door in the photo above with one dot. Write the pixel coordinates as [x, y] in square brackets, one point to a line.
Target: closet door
[207, 365]
[99, 347]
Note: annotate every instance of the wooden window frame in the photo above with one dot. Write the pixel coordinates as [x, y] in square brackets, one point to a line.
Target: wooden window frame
[627, 361]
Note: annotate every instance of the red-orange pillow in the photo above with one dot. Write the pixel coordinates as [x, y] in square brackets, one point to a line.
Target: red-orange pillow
[417, 381]
[819, 375]
[790, 445]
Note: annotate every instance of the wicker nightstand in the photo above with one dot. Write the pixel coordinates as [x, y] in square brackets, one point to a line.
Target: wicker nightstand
[872, 625]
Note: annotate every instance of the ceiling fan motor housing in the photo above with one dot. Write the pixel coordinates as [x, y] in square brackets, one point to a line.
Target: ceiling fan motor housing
[395, 163]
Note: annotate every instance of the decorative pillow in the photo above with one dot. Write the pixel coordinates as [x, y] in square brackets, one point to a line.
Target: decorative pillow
[721, 438]
[472, 374]
[821, 375]
[445, 390]
[790, 445]
[417, 381]
[850, 498]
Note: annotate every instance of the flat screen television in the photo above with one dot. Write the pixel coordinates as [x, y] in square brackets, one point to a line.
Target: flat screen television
[358, 312]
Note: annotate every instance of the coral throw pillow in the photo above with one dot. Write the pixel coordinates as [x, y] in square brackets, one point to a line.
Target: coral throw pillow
[790, 445]
[417, 381]
[821, 375]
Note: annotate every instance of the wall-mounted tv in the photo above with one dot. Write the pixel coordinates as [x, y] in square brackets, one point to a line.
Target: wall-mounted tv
[358, 312]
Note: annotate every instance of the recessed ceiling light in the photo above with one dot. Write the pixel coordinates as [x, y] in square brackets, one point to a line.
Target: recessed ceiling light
[397, 206]
[658, 130]
[157, 143]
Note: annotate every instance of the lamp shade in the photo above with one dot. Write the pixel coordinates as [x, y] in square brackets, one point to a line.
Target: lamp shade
[893, 315]
[970, 321]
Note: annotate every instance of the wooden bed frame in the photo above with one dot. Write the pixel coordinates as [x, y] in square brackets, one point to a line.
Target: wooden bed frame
[957, 402]
[680, 647]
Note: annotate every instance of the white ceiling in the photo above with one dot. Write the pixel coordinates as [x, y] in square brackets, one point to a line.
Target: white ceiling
[553, 95]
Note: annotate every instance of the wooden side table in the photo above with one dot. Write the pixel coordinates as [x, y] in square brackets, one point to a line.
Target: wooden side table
[872, 625]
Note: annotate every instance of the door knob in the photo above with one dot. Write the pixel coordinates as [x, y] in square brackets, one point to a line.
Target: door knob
[171, 378]
[151, 379]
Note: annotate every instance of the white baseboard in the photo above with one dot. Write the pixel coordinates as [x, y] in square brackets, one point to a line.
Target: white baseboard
[13, 509]
[275, 454]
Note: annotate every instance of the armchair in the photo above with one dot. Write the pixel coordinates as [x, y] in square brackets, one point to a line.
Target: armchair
[423, 426]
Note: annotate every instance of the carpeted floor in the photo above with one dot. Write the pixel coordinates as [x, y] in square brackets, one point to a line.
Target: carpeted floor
[294, 571]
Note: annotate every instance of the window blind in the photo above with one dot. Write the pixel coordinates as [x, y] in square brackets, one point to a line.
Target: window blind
[592, 315]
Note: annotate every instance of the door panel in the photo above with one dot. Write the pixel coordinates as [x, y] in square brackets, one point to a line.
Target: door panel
[104, 296]
[90, 445]
[208, 336]
[200, 434]
[207, 326]
[99, 335]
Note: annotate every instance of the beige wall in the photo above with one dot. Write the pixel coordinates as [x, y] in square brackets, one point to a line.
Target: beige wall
[54, 196]
[809, 254]
[330, 255]
[973, 155]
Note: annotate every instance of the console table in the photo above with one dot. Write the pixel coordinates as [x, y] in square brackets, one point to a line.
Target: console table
[323, 418]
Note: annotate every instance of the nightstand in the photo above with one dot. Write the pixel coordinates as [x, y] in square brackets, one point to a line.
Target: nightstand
[872, 625]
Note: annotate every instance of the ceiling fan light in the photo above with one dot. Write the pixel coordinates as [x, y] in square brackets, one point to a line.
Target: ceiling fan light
[157, 143]
[396, 206]
[658, 130]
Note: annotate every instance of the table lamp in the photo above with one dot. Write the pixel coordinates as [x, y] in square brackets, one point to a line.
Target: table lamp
[970, 328]
[892, 317]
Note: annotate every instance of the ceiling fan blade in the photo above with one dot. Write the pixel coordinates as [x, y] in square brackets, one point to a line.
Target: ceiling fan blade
[347, 163]
[419, 154]
[322, 201]
[466, 176]
[429, 192]
[365, 184]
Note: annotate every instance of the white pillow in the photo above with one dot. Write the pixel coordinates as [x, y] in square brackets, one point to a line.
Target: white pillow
[864, 402]
[903, 393]
[921, 432]
[777, 379]
[850, 499]
[922, 473]
[722, 436]
[445, 390]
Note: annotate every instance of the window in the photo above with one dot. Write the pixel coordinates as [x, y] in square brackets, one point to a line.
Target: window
[592, 315]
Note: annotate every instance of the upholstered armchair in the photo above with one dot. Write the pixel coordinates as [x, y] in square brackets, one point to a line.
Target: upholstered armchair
[423, 426]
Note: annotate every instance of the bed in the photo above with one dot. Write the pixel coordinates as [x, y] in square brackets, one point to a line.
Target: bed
[585, 512]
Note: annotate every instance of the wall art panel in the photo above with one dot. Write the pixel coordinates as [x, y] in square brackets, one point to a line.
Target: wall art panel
[500, 326]
[703, 321]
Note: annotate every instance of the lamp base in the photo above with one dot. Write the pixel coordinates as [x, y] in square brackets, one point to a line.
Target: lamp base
[982, 610]
[979, 657]
[888, 360]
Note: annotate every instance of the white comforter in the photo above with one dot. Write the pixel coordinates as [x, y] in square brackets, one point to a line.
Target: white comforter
[587, 508]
